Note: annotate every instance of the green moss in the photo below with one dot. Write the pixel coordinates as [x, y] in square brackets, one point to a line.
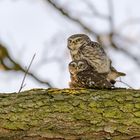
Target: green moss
[129, 98]
[13, 117]
[59, 97]
[83, 105]
[120, 99]
[34, 123]
[112, 113]
[82, 130]
[110, 128]
[5, 102]
[137, 114]
[44, 109]
[100, 113]
[126, 121]
[137, 105]
[127, 107]
[39, 103]
[68, 91]
[75, 102]
[15, 125]
[107, 96]
[96, 119]
[93, 104]
[136, 120]
[62, 107]
[80, 115]
[95, 128]
[16, 109]
[96, 110]
[137, 100]
[110, 103]
[137, 94]
[23, 117]
[122, 128]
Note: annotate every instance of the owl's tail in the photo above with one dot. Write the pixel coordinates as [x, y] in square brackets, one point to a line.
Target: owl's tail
[113, 75]
[121, 74]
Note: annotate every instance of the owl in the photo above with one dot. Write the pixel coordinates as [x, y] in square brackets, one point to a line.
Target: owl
[85, 76]
[81, 47]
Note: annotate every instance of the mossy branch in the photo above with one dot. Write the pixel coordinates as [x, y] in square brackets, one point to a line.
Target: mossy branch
[70, 114]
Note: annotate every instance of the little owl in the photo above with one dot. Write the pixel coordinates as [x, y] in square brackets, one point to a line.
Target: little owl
[85, 76]
[82, 48]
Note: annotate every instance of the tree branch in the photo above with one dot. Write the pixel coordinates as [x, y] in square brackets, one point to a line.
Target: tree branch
[95, 12]
[70, 114]
[68, 16]
[98, 35]
[125, 51]
[4, 54]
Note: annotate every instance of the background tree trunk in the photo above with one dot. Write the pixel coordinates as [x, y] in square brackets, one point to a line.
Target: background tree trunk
[70, 114]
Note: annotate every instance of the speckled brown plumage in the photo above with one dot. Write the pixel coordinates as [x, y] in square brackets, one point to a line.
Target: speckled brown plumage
[82, 48]
[84, 76]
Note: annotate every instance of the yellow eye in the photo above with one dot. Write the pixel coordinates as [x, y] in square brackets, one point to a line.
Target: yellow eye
[78, 40]
[69, 41]
[73, 65]
[81, 65]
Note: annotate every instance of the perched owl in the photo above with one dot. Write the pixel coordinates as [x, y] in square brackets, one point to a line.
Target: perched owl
[81, 47]
[84, 76]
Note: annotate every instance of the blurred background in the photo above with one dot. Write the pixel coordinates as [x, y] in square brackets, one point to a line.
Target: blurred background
[41, 27]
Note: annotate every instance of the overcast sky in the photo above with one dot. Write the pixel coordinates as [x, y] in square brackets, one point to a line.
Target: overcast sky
[30, 26]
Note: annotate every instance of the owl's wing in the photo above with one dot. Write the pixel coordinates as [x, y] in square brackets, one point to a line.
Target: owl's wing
[96, 56]
[93, 79]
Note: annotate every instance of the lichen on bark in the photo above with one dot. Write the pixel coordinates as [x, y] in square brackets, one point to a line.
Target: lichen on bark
[70, 114]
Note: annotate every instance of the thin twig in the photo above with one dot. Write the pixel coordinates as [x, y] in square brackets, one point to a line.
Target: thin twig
[25, 74]
[18, 67]
[124, 83]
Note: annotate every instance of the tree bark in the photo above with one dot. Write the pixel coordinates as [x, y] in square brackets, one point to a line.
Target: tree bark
[70, 114]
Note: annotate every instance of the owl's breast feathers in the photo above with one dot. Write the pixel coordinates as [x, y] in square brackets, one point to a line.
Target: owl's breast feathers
[75, 82]
[76, 55]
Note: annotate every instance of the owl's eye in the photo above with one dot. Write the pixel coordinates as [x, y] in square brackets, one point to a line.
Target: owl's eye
[69, 41]
[81, 65]
[78, 40]
[73, 65]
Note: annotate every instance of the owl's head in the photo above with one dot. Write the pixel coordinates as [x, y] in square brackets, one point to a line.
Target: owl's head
[77, 66]
[77, 40]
